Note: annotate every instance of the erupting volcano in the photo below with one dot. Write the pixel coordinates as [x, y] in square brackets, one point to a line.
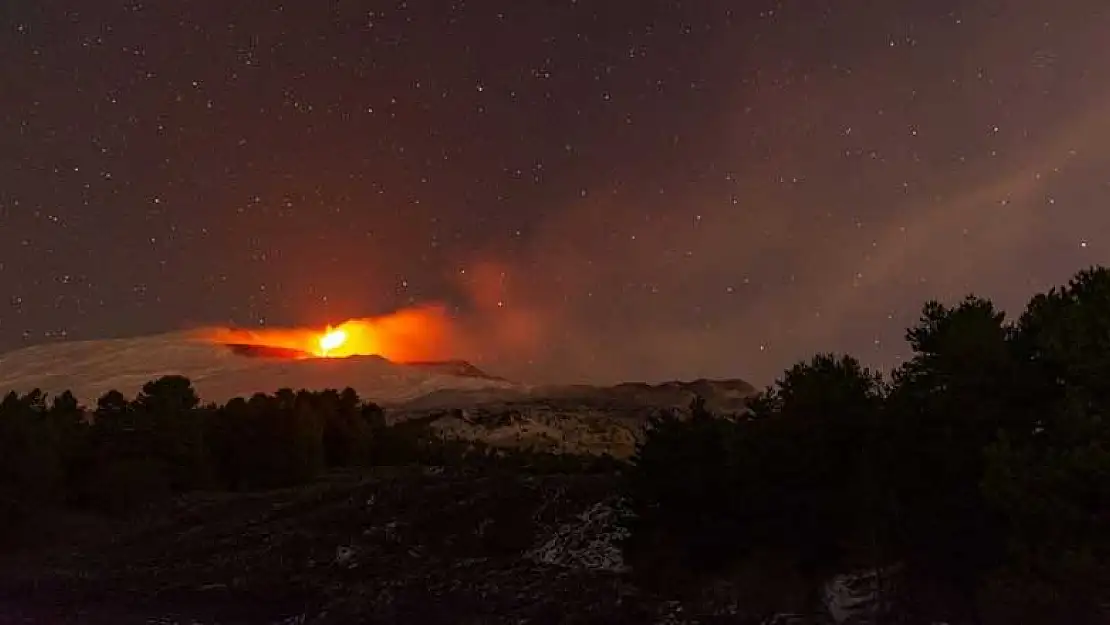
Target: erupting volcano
[414, 334]
[389, 358]
[332, 339]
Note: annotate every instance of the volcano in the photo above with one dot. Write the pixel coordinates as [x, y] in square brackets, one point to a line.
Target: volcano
[221, 371]
[454, 397]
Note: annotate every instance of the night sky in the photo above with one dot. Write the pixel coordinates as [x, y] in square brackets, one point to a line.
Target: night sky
[647, 189]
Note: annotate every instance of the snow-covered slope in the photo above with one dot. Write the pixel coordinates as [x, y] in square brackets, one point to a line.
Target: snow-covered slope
[455, 398]
[91, 368]
[576, 419]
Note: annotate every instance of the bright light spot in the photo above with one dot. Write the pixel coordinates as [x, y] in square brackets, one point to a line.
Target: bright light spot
[411, 334]
[331, 340]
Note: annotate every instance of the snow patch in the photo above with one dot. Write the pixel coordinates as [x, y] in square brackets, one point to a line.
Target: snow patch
[591, 541]
[857, 596]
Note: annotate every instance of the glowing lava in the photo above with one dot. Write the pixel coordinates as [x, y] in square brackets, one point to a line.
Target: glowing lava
[332, 339]
[413, 334]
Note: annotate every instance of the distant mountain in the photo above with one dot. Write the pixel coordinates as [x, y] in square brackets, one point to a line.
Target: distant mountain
[576, 418]
[220, 372]
[454, 397]
[460, 368]
[725, 396]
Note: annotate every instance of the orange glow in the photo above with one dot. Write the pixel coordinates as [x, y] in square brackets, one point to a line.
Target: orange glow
[332, 339]
[412, 334]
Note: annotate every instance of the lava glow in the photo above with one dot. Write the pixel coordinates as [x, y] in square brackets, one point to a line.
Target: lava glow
[332, 339]
[407, 335]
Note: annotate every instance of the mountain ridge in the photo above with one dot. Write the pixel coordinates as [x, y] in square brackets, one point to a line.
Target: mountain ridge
[454, 397]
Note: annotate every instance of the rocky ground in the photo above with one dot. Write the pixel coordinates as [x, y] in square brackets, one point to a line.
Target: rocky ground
[399, 546]
[393, 545]
[566, 419]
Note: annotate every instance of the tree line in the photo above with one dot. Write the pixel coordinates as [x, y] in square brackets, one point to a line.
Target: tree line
[981, 465]
[124, 453]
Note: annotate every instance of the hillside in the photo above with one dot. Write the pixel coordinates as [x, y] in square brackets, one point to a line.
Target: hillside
[219, 372]
[968, 487]
[401, 546]
[456, 398]
[422, 545]
[574, 419]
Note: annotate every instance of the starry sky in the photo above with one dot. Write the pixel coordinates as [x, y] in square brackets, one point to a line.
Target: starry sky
[647, 189]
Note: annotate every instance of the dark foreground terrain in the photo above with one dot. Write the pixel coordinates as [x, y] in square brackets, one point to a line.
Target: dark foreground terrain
[398, 546]
[971, 486]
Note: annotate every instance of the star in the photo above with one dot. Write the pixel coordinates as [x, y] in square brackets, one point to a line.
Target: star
[753, 183]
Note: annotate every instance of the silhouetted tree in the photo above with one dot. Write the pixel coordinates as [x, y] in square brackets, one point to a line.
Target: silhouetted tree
[111, 404]
[67, 418]
[67, 407]
[1067, 333]
[124, 469]
[30, 465]
[346, 434]
[786, 478]
[946, 405]
[167, 395]
[268, 441]
[1048, 477]
[812, 453]
[170, 405]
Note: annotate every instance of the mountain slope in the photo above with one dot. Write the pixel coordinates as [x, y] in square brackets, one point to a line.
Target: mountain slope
[457, 399]
[574, 419]
[219, 372]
